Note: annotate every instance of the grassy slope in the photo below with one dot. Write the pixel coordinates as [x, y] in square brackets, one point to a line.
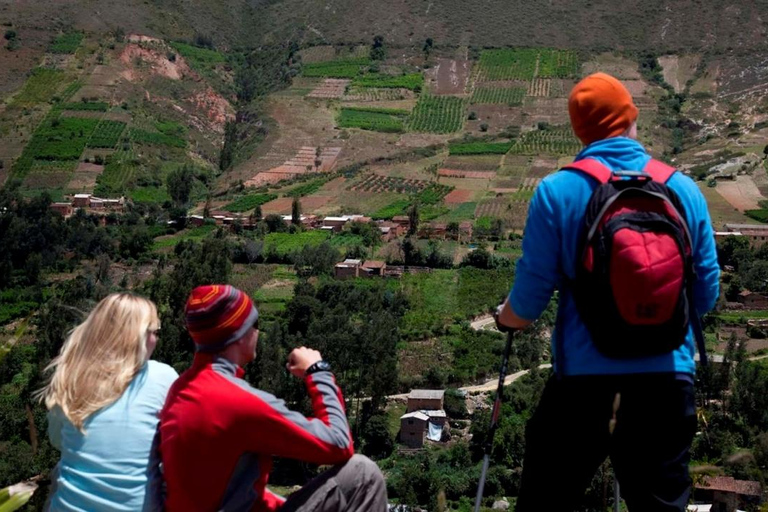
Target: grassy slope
[608, 24]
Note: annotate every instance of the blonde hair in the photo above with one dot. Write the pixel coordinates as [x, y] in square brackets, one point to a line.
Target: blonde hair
[101, 357]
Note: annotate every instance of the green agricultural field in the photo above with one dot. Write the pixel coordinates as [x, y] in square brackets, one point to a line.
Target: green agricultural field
[412, 81]
[196, 233]
[306, 189]
[161, 139]
[287, 243]
[391, 210]
[480, 148]
[106, 134]
[249, 202]
[117, 175]
[512, 96]
[442, 297]
[66, 43]
[508, 64]
[437, 114]
[345, 68]
[553, 140]
[465, 211]
[198, 57]
[61, 139]
[379, 120]
[40, 87]
[85, 106]
[149, 195]
[559, 64]
[433, 194]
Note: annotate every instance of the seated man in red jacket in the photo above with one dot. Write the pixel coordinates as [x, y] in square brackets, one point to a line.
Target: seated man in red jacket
[218, 434]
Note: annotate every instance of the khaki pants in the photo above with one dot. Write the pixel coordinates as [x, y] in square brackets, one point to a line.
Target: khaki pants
[355, 486]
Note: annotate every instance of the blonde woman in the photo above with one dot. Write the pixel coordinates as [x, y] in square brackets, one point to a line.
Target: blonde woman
[103, 399]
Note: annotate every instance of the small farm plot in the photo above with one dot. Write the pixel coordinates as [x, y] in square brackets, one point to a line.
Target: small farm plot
[508, 64]
[155, 138]
[540, 87]
[377, 94]
[480, 148]
[512, 212]
[331, 88]
[375, 119]
[379, 183]
[249, 202]
[555, 140]
[449, 76]
[49, 174]
[316, 54]
[485, 94]
[67, 42]
[62, 139]
[40, 87]
[555, 63]
[437, 114]
[411, 81]
[344, 68]
[106, 134]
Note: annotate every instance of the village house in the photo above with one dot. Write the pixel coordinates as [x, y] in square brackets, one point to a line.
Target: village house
[64, 209]
[425, 399]
[307, 221]
[433, 230]
[402, 220]
[726, 494]
[752, 300]
[373, 268]
[347, 269]
[390, 230]
[756, 233]
[424, 418]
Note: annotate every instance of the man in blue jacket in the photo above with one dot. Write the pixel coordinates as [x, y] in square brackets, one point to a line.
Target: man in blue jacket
[568, 437]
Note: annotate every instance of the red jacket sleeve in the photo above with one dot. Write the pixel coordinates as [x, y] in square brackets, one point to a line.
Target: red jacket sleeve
[269, 427]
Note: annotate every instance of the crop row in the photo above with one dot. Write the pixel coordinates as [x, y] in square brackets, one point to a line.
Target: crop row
[512, 96]
[373, 120]
[508, 64]
[106, 134]
[528, 63]
[437, 114]
[40, 87]
[559, 64]
[379, 183]
[433, 194]
[412, 81]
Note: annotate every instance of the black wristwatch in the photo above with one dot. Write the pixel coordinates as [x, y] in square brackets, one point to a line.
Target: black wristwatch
[320, 366]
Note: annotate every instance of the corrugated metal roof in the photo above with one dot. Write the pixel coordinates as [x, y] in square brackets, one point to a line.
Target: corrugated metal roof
[416, 415]
[420, 394]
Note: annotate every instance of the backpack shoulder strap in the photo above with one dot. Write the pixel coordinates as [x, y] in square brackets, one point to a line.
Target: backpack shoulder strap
[593, 168]
[659, 171]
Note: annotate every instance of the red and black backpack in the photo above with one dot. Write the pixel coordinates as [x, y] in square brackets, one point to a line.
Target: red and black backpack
[635, 274]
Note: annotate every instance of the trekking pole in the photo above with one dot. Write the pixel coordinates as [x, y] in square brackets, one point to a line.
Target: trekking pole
[494, 420]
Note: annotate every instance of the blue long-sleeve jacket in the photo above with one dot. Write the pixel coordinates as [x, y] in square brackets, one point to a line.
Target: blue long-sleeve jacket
[552, 236]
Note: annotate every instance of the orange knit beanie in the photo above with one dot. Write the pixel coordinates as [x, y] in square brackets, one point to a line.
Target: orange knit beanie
[600, 107]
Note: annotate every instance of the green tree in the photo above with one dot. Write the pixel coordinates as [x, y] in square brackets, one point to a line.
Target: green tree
[378, 50]
[296, 212]
[179, 183]
[413, 218]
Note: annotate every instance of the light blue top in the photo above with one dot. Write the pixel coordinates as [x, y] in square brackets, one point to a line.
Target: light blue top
[113, 466]
[552, 236]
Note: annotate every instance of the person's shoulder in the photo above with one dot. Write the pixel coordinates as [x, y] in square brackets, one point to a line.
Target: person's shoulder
[161, 372]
